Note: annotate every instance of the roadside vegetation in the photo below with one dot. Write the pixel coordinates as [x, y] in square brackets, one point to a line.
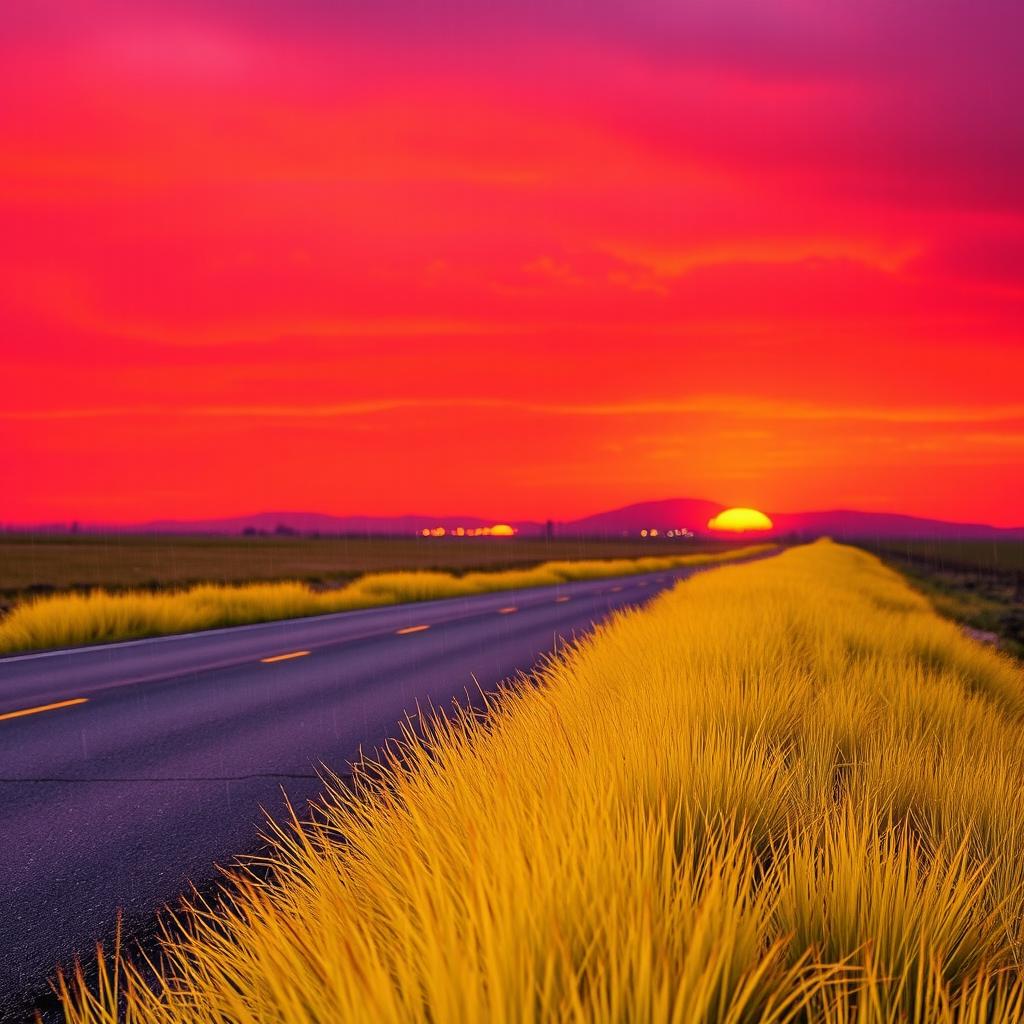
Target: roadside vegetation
[977, 583]
[784, 791]
[67, 620]
[37, 563]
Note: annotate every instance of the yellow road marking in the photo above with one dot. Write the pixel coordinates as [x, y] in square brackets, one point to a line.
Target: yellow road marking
[562, 599]
[284, 657]
[615, 590]
[507, 611]
[410, 629]
[44, 707]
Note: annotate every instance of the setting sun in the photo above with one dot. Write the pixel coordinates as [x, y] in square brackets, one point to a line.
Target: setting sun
[739, 520]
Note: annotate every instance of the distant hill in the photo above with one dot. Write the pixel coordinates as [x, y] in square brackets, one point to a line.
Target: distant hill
[847, 523]
[316, 522]
[693, 514]
[671, 514]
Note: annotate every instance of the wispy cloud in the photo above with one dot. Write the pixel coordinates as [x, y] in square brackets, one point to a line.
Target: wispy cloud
[738, 407]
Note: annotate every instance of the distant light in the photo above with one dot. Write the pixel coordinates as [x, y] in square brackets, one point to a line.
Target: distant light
[425, 531]
[502, 530]
[460, 531]
[643, 533]
[654, 533]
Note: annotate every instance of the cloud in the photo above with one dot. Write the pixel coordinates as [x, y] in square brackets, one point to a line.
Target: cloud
[735, 407]
[565, 224]
[989, 259]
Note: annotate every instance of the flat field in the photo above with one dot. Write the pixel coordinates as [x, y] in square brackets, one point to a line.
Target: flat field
[784, 791]
[990, 557]
[977, 583]
[42, 561]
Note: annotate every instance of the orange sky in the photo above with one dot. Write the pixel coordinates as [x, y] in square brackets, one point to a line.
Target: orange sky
[538, 263]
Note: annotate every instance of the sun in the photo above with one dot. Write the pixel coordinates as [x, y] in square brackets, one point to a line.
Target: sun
[739, 520]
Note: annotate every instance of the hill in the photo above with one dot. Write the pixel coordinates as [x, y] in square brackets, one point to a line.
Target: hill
[671, 514]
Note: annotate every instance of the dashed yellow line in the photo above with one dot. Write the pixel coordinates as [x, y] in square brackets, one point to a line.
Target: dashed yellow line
[410, 629]
[562, 599]
[44, 707]
[284, 657]
[615, 590]
[507, 611]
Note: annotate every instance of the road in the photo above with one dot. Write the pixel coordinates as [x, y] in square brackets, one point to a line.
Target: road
[127, 771]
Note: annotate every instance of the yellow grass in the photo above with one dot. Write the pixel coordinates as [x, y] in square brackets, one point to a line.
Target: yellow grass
[784, 791]
[98, 616]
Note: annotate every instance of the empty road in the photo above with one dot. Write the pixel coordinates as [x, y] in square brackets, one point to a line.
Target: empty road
[128, 770]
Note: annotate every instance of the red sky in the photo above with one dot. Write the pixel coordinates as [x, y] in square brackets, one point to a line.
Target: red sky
[519, 258]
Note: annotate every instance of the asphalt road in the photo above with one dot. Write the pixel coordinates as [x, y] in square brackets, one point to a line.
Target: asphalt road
[128, 771]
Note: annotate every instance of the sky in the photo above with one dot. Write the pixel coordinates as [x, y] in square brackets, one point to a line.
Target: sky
[514, 258]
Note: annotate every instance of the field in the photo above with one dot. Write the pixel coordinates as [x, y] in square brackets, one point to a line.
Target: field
[42, 562]
[98, 616]
[978, 583]
[993, 557]
[786, 790]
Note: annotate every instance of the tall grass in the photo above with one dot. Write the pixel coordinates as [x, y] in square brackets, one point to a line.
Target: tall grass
[784, 791]
[66, 620]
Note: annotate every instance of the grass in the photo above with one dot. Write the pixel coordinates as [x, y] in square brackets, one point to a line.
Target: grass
[979, 584]
[785, 791]
[67, 620]
[52, 562]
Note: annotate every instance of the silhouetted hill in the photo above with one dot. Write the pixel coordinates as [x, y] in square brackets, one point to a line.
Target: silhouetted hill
[693, 514]
[848, 523]
[671, 514]
[315, 522]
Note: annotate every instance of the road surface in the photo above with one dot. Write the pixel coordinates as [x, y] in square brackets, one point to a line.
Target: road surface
[128, 770]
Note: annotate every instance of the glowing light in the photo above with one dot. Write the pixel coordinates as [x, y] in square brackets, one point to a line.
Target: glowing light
[739, 520]
[498, 530]
[643, 533]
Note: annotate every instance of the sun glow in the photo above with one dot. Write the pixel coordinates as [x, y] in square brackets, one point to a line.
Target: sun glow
[739, 520]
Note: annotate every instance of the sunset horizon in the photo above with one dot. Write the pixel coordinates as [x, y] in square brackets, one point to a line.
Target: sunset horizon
[314, 520]
[512, 510]
[296, 254]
